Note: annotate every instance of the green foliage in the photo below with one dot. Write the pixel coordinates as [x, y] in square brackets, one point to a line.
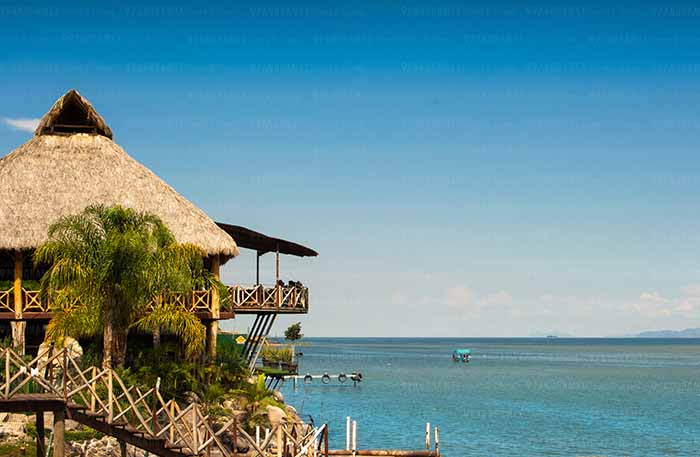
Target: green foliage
[210, 382]
[114, 261]
[256, 394]
[22, 449]
[28, 284]
[276, 354]
[6, 342]
[293, 332]
[82, 434]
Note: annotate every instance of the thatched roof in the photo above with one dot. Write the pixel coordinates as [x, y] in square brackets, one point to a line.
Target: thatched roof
[60, 172]
[72, 114]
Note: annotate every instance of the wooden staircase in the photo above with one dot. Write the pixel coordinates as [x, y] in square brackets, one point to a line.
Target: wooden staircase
[100, 399]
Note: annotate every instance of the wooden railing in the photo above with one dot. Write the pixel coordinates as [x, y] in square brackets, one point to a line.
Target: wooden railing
[277, 297]
[99, 396]
[7, 301]
[241, 298]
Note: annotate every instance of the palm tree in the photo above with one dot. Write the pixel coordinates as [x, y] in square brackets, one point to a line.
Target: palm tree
[112, 269]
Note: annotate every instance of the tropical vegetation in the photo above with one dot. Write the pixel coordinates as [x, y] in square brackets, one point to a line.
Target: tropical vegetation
[113, 269]
[293, 332]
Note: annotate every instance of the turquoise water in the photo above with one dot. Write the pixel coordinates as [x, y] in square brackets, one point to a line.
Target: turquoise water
[518, 397]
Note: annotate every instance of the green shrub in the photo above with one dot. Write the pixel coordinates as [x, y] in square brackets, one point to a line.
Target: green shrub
[277, 354]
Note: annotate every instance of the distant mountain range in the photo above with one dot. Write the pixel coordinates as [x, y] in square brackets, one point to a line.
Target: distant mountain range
[687, 333]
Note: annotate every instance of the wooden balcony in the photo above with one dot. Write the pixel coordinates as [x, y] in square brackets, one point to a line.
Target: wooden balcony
[260, 299]
[240, 300]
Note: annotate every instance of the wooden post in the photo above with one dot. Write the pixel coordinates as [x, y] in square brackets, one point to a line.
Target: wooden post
[7, 374]
[235, 435]
[59, 430]
[172, 425]
[93, 393]
[347, 433]
[354, 435]
[40, 442]
[257, 268]
[427, 436]
[279, 441]
[195, 436]
[213, 327]
[277, 265]
[110, 397]
[325, 441]
[18, 325]
[437, 441]
[122, 448]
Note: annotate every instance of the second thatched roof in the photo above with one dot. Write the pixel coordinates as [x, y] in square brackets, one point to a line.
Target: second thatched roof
[72, 163]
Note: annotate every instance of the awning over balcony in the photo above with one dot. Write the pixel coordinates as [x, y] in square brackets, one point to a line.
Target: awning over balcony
[250, 239]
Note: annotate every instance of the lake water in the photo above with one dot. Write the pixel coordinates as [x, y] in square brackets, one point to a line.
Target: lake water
[518, 397]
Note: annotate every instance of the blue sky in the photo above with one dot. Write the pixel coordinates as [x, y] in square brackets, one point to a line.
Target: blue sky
[464, 169]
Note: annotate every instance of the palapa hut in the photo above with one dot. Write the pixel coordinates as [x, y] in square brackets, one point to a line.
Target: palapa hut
[71, 163]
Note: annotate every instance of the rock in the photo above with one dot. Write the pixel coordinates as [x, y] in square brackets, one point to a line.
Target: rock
[277, 395]
[191, 397]
[13, 427]
[74, 350]
[276, 415]
[105, 447]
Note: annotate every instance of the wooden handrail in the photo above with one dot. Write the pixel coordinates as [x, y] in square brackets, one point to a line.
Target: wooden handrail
[240, 298]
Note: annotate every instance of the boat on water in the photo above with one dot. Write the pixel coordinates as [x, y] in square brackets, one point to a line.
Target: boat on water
[462, 355]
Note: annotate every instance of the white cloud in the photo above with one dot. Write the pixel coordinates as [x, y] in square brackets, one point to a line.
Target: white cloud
[654, 305]
[397, 298]
[25, 125]
[498, 298]
[460, 296]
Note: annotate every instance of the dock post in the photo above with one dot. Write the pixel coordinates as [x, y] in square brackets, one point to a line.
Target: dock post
[427, 436]
[437, 441]
[59, 431]
[325, 441]
[347, 433]
[40, 442]
[122, 448]
[354, 435]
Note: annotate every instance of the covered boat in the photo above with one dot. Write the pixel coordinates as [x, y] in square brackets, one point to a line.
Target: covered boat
[462, 355]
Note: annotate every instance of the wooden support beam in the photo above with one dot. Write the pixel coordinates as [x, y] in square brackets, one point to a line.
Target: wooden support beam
[257, 268]
[59, 432]
[40, 434]
[19, 264]
[277, 265]
[213, 327]
[122, 448]
[18, 327]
